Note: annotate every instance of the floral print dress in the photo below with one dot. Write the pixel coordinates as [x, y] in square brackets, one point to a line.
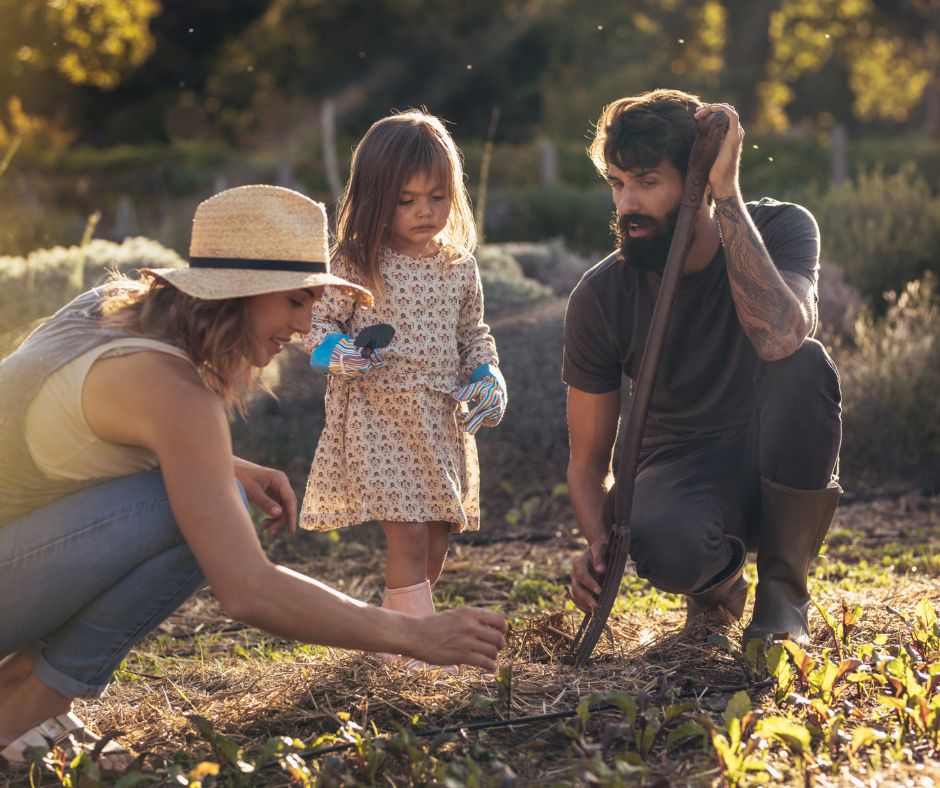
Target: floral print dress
[392, 448]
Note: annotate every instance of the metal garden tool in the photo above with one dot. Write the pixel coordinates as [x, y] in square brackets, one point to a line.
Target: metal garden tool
[372, 337]
[619, 502]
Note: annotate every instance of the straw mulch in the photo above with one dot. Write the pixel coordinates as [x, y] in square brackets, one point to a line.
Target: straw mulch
[251, 687]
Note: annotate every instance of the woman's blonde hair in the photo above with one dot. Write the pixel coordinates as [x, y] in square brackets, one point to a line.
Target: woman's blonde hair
[393, 150]
[214, 333]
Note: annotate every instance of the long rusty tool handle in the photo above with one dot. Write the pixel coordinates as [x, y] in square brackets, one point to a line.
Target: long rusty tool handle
[711, 132]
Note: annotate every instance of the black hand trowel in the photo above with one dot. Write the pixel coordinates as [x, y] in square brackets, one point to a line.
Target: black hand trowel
[372, 337]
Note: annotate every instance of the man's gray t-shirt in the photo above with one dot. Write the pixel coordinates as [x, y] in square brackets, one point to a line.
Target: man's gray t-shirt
[706, 379]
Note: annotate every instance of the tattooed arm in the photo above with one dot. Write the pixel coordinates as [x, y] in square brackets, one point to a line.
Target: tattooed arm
[776, 309]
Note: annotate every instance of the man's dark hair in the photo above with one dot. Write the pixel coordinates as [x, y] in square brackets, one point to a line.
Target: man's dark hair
[641, 131]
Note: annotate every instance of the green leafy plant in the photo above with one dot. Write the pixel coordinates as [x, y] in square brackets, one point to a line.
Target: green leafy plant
[735, 746]
[643, 727]
[531, 505]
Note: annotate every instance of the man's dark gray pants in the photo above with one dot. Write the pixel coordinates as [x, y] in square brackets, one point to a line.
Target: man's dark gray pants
[690, 497]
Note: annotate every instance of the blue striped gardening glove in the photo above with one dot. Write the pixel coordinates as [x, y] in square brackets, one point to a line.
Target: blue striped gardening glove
[337, 354]
[487, 389]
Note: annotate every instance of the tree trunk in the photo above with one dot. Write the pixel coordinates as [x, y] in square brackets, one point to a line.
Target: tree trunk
[839, 154]
[746, 52]
[932, 100]
[330, 160]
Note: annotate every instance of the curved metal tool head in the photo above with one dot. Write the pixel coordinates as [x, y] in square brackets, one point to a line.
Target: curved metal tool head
[619, 504]
[593, 624]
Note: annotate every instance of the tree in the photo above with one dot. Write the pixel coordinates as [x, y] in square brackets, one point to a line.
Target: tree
[888, 51]
[458, 58]
[89, 43]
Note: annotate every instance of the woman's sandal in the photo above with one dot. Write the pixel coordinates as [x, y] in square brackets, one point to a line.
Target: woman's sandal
[68, 733]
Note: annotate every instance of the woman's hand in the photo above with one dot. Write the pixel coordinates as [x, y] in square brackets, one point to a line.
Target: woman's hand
[271, 492]
[465, 636]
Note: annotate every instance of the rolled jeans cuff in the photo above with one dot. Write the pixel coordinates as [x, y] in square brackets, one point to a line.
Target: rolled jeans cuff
[58, 681]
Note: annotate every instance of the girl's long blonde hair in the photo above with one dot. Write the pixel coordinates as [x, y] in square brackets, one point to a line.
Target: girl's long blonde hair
[215, 334]
[393, 150]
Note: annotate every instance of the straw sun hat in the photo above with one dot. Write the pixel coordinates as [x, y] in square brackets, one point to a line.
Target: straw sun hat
[257, 239]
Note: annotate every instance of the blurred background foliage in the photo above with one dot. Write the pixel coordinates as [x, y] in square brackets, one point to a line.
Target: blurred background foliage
[132, 111]
[132, 107]
[136, 71]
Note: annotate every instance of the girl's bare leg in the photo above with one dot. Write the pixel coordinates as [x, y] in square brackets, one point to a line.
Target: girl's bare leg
[438, 543]
[407, 560]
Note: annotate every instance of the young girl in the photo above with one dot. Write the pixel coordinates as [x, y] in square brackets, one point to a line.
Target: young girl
[397, 446]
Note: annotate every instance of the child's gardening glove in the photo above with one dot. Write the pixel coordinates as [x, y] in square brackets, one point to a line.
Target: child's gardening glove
[487, 389]
[338, 354]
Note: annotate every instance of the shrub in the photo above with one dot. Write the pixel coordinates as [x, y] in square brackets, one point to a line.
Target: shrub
[884, 230]
[24, 227]
[581, 217]
[890, 382]
[550, 263]
[35, 286]
[840, 303]
[504, 283]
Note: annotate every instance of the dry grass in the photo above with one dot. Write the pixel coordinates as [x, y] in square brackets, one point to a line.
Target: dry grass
[251, 687]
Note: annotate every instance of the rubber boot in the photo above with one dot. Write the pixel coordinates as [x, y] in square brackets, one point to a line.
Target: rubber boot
[414, 600]
[793, 525]
[722, 602]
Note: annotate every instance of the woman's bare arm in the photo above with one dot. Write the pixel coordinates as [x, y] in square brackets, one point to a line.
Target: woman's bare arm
[158, 401]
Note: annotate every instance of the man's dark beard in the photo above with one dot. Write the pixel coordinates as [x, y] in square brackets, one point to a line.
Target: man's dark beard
[650, 252]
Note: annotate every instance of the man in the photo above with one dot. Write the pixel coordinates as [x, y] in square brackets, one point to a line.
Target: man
[744, 425]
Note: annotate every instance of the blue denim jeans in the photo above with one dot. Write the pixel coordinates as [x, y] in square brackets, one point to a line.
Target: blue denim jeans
[88, 576]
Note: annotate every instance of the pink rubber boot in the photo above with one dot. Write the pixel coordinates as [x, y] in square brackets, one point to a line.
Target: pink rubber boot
[414, 600]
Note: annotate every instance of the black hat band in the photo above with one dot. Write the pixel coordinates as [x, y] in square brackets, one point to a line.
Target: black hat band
[258, 265]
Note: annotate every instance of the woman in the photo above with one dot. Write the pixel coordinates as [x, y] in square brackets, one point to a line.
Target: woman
[118, 494]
